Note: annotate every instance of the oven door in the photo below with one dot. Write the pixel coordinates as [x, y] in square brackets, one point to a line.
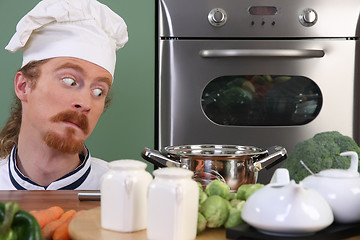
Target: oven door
[255, 92]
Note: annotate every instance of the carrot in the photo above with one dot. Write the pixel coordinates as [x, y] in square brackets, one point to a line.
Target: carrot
[32, 212]
[49, 229]
[62, 232]
[47, 215]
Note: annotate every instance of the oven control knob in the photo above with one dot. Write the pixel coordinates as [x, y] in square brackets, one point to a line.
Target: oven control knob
[217, 17]
[308, 17]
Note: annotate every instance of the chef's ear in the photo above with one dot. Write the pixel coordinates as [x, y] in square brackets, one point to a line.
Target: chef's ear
[21, 86]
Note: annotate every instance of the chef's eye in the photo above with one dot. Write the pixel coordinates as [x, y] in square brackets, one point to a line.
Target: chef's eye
[69, 81]
[98, 92]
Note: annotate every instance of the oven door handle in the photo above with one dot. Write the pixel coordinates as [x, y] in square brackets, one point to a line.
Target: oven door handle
[294, 53]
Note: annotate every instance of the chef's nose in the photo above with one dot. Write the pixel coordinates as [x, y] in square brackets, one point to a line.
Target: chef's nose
[82, 103]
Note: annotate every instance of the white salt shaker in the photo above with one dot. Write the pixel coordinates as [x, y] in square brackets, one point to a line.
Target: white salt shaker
[123, 196]
[172, 205]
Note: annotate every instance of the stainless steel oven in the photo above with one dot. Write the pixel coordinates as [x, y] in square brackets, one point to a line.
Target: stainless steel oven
[256, 72]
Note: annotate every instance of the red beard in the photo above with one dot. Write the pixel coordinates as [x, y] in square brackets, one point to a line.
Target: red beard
[67, 144]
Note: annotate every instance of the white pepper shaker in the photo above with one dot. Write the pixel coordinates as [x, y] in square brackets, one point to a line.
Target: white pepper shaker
[172, 205]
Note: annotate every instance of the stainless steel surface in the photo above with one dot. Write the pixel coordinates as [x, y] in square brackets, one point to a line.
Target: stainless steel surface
[217, 17]
[158, 159]
[189, 19]
[213, 150]
[272, 158]
[181, 119]
[308, 17]
[296, 53]
[199, 41]
[232, 164]
[89, 196]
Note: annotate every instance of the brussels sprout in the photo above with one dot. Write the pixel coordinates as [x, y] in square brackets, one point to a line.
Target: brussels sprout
[233, 196]
[234, 218]
[253, 189]
[219, 188]
[240, 194]
[215, 210]
[202, 195]
[235, 210]
[244, 191]
[201, 223]
[235, 203]
[200, 186]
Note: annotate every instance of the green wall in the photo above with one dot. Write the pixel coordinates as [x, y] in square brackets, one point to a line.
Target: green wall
[127, 126]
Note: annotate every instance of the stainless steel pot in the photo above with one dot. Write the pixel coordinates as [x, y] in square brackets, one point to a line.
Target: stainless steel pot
[232, 164]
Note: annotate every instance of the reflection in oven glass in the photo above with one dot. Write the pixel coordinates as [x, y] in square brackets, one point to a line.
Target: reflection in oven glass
[261, 100]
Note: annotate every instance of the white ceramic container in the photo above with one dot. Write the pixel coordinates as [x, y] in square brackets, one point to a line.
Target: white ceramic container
[173, 198]
[341, 188]
[285, 208]
[123, 196]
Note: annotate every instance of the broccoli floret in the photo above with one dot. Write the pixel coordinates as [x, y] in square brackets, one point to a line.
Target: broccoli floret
[320, 152]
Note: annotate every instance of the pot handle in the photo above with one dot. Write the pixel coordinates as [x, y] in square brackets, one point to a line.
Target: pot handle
[276, 155]
[156, 158]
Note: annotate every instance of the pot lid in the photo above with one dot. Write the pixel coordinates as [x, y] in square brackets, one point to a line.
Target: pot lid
[213, 150]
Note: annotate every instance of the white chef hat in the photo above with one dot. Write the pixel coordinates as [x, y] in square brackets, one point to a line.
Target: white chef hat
[84, 29]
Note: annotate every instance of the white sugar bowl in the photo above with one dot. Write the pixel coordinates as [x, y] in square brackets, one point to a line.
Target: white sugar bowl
[341, 188]
[285, 208]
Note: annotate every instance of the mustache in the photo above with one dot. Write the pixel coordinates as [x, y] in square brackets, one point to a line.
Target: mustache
[74, 117]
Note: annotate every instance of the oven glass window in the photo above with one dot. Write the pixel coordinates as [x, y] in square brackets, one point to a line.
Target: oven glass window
[261, 100]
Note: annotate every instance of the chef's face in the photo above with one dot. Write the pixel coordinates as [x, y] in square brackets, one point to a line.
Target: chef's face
[66, 102]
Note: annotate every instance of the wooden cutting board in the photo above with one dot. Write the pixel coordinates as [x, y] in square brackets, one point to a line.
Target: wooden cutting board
[87, 226]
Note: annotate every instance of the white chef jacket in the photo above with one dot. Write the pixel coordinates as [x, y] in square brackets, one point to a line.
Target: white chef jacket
[85, 177]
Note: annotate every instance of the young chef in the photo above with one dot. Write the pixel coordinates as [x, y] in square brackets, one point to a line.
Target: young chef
[69, 54]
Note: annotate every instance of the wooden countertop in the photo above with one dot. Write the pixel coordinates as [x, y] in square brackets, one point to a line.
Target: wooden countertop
[40, 199]
[68, 199]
